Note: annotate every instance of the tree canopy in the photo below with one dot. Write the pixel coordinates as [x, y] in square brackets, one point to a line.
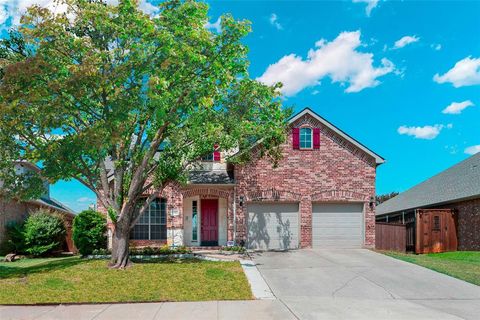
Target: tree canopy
[123, 101]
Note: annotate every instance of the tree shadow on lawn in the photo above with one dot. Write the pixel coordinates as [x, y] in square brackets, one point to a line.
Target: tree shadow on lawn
[167, 260]
[17, 271]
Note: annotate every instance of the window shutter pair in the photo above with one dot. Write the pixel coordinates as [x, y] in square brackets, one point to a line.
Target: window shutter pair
[216, 153]
[296, 138]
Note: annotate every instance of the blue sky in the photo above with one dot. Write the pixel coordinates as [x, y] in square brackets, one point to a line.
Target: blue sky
[402, 77]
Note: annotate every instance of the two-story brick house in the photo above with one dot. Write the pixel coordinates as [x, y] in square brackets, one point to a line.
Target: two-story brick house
[321, 194]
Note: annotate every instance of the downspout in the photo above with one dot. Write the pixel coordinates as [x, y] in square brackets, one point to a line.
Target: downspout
[235, 214]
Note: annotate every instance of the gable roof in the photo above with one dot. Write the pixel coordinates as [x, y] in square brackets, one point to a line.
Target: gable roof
[53, 204]
[460, 182]
[378, 159]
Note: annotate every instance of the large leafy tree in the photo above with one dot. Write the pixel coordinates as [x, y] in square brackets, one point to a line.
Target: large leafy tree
[123, 101]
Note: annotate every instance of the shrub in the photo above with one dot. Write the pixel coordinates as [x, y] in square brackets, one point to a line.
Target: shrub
[44, 233]
[101, 252]
[238, 249]
[15, 240]
[163, 250]
[89, 231]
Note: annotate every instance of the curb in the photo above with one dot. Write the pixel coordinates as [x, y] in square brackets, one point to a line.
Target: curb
[260, 288]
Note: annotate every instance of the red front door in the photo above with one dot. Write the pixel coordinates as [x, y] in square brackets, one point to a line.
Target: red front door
[209, 222]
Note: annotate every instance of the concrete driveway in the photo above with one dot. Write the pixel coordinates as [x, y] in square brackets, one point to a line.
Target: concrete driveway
[361, 284]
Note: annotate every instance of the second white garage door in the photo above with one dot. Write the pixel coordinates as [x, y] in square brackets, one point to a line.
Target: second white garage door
[336, 225]
[272, 226]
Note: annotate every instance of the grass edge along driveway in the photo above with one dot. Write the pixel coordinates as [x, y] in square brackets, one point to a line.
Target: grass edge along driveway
[463, 265]
[76, 280]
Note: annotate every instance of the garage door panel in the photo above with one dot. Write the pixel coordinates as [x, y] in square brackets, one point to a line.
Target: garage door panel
[337, 225]
[353, 232]
[339, 244]
[272, 226]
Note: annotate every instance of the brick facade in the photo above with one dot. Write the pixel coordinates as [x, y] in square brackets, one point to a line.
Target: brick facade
[468, 223]
[337, 172]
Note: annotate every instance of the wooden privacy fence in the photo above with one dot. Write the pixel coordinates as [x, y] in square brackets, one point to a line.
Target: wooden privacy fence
[390, 236]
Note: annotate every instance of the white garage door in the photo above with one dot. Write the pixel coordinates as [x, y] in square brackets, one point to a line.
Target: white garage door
[272, 226]
[337, 225]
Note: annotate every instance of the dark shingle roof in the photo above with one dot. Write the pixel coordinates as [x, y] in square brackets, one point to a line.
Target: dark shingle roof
[211, 177]
[462, 181]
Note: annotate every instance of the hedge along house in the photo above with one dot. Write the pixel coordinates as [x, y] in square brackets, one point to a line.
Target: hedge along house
[321, 194]
[14, 210]
[441, 213]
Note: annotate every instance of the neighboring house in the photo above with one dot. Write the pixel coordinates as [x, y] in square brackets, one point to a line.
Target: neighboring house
[321, 194]
[457, 188]
[12, 210]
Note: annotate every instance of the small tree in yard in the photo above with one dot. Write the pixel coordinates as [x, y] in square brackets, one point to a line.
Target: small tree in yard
[151, 94]
[89, 229]
[44, 233]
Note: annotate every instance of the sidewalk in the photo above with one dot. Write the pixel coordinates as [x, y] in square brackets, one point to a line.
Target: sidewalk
[254, 309]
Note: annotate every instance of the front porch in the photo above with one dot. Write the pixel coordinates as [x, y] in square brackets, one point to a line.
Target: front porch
[194, 216]
[207, 216]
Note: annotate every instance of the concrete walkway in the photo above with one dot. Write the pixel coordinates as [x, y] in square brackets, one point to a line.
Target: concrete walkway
[361, 284]
[306, 284]
[231, 310]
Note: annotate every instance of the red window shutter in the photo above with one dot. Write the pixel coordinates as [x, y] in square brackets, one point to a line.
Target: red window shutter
[316, 138]
[296, 138]
[216, 153]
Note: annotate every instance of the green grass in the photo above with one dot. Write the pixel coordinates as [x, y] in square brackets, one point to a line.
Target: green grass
[464, 265]
[74, 280]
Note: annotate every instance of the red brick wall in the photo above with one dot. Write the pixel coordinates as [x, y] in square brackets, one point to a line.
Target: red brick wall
[468, 223]
[338, 171]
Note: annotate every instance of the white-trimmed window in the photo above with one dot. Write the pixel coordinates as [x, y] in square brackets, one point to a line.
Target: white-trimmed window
[305, 138]
[152, 225]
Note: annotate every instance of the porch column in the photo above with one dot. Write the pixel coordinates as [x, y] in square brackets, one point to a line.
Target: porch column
[230, 221]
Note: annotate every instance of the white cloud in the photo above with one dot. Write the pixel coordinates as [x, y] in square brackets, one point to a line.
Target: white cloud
[274, 22]
[457, 107]
[16, 8]
[406, 40]
[337, 59]
[472, 149]
[370, 5]
[426, 132]
[217, 25]
[84, 199]
[466, 72]
[315, 92]
[436, 46]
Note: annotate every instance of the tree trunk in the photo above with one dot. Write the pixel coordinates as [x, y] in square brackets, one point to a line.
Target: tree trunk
[120, 253]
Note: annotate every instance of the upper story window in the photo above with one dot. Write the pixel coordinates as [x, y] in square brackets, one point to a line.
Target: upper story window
[152, 225]
[214, 156]
[305, 138]
[208, 157]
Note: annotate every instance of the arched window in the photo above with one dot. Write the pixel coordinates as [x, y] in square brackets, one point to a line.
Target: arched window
[305, 138]
[152, 225]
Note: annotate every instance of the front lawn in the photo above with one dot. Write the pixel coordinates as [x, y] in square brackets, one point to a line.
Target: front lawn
[464, 265]
[74, 280]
